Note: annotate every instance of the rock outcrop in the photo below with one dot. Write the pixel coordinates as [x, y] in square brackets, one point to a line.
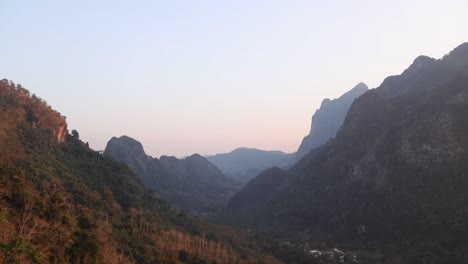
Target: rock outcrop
[327, 120]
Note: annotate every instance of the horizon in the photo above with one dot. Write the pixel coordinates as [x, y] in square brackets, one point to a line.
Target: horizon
[212, 77]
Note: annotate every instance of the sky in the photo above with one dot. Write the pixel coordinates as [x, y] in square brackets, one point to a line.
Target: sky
[209, 76]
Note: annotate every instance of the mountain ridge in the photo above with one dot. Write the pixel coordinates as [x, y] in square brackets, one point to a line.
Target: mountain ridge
[62, 202]
[193, 183]
[395, 171]
[328, 118]
[244, 163]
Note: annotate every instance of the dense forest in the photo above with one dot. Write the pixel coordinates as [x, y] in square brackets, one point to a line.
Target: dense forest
[61, 202]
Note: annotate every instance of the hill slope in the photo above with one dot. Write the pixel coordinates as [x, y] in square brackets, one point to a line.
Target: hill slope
[192, 184]
[61, 202]
[395, 176]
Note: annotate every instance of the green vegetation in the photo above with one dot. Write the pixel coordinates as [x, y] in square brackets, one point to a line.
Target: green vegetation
[61, 202]
[191, 184]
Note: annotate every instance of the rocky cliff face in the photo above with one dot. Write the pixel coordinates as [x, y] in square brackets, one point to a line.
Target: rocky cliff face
[327, 120]
[395, 171]
[244, 164]
[193, 184]
[61, 132]
[21, 109]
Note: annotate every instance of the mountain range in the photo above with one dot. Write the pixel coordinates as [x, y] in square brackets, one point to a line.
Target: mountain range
[393, 179]
[62, 202]
[192, 184]
[386, 184]
[244, 164]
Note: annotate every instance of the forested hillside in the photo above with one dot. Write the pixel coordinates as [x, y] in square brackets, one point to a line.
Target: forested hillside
[192, 184]
[61, 202]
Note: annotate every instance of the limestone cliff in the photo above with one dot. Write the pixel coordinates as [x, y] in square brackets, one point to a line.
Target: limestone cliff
[327, 120]
[396, 170]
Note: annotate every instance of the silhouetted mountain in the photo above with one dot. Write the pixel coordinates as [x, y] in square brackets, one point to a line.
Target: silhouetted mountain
[193, 184]
[257, 194]
[394, 178]
[243, 164]
[327, 120]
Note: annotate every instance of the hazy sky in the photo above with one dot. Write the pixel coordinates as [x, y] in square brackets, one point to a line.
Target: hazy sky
[210, 76]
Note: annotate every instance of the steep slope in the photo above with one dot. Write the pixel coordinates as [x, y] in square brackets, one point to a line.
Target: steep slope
[193, 184]
[243, 164]
[17, 104]
[327, 120]
[255, 196]
[395, 176]
[61, 202]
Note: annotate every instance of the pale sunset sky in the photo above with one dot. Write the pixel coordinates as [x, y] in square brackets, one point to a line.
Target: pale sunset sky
[206, 76]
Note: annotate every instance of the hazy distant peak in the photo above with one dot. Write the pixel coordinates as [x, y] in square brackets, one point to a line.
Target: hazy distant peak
[243, 149]
[168, 158]
[245, 163]
[325, 102]
[361, 84]
[127, 143]
[195, 156]
[327, 120]
[358, 89]
[254, 150]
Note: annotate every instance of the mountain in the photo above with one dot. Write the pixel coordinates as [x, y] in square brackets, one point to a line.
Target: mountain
[193, 184]
[327, 120]
[243, 164]
[394, 179]
[62, 202]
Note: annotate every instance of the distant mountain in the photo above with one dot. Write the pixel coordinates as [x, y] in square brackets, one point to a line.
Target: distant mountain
[243, 164]
[193, 184]
[394, 178]
[327, 120]
[62, 202]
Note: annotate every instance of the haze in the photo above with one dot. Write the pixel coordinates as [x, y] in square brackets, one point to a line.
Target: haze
[210, 76]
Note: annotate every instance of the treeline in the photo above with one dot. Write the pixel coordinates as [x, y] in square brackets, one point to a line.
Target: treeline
[61, 202]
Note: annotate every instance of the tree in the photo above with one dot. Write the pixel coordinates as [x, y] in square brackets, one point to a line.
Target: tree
[75, 134]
